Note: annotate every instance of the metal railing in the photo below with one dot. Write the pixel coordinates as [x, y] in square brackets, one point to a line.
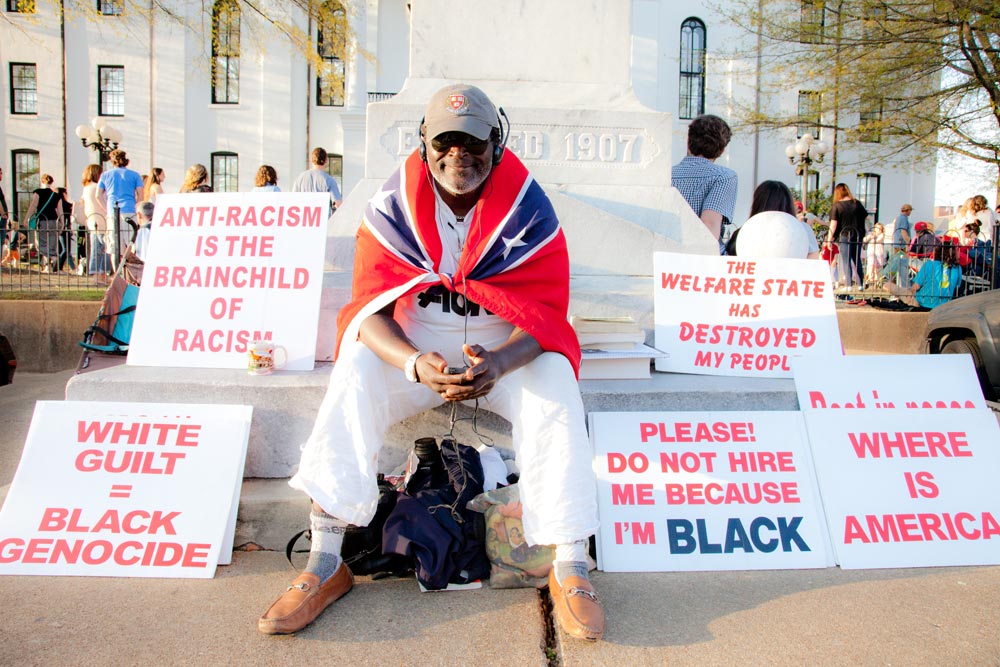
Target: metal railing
[880, 266]
[58, 256]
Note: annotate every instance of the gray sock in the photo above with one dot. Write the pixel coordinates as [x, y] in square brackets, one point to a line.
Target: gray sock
[569, 568]
[327, 536]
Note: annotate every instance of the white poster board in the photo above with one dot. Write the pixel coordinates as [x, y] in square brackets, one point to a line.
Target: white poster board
[125, 490]
[921, 381]
[225, 269]
[684, 491]
[909, 488]
[726, 316]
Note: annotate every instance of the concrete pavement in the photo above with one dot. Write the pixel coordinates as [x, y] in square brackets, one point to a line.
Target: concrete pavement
[825, 617]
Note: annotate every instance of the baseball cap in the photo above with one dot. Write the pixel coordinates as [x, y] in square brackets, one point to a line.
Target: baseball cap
[922, 226]
[460, 108]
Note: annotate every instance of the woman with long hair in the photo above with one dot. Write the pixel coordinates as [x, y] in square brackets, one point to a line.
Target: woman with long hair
[196, 179]
[96, 216]
[847, 229]
[266, 179]
[153, 184]
[768, 232]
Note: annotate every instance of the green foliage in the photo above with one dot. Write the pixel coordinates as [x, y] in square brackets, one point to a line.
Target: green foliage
[896, 75]
[819, 203]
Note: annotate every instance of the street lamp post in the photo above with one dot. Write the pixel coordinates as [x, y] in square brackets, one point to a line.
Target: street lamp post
[803, 153]
[99, 136]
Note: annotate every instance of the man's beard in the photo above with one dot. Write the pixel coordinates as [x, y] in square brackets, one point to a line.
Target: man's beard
[464, 184]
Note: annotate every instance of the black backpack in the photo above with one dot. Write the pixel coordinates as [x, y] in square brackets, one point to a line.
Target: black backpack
[8, 362]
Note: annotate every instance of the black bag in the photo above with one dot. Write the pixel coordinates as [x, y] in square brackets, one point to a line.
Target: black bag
[362, 548]
[8, 362]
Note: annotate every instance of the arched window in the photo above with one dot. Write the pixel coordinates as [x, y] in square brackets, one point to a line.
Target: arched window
[225, 52]
[26, 179]
[225, 172]
[692, 85]
[330, 46]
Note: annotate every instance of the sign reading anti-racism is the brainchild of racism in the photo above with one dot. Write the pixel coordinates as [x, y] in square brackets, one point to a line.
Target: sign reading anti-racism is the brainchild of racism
[224, 270]
[881, 382]
[706, 491]
[731, 316]
[907, 487]
[125, 490]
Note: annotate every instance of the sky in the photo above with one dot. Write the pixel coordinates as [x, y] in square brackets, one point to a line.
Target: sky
[959, 178]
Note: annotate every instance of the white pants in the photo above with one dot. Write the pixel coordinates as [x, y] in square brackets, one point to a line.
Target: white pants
[541, 400]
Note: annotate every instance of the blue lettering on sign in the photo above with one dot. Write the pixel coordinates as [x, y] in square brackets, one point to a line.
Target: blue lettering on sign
[685, 537]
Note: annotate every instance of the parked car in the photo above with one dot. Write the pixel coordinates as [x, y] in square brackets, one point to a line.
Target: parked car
[969, 325]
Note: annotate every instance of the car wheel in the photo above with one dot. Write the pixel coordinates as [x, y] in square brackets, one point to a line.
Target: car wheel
[970, 347]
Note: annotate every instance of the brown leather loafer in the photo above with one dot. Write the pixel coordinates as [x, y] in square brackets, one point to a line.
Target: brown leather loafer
[576, 607]
[303, 601]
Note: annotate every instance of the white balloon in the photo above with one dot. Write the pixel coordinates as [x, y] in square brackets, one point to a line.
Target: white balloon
[773, 234]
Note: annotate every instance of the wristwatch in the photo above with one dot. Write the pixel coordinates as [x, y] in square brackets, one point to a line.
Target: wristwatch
[410, 368]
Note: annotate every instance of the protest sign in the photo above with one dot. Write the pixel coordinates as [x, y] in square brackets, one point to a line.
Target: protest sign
[891, 381]
[223, 270]
[706, 491]
[727, 316]
[125, 489]
[909, 488]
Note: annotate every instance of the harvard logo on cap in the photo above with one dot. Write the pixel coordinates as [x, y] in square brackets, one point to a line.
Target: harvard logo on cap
[456, 102]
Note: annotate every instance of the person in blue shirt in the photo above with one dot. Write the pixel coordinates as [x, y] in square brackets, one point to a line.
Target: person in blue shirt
[937, 281]
[120, 186]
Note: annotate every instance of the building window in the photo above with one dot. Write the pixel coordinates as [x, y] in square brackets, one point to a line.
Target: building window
[330, 46]
[110, 90]
[870, 119]
[809, 113]
[26, 180]
[21, 6]
[225, 172]
[110, 7]
[335, 167]
[225, 52]
[869, 187]
[692, 86]
[23, 88]
[811, 21]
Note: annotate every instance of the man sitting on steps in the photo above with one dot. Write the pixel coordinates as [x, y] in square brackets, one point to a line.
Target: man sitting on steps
[460, 261]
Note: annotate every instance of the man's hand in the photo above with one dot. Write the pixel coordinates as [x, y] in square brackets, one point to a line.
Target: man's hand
[478, 380]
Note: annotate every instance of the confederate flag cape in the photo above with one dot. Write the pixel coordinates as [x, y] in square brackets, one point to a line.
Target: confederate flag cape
[515, 262]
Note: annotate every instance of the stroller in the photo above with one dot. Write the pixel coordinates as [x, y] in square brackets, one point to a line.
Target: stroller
[111, 332]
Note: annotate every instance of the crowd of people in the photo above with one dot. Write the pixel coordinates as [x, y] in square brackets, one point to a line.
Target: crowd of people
[78, 235]
[862, 254]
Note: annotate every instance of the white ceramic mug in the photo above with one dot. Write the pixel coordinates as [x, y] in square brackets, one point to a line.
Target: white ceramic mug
[264, 357]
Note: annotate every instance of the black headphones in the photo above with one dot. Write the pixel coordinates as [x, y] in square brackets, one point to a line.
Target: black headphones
[497, 134]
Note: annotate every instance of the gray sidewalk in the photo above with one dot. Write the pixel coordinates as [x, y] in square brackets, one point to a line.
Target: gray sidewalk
[823, 617]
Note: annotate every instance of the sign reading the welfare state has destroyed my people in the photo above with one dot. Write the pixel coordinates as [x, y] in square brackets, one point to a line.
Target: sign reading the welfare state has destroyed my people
[916, 381]
[729, 316]
[125, 490]
[909, 488]
[223, 270]
[706, 491]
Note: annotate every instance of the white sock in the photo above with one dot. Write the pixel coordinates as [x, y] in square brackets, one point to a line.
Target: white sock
[327, 537]
[571, 560]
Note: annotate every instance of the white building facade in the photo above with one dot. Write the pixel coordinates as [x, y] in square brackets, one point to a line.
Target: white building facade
[249, 97]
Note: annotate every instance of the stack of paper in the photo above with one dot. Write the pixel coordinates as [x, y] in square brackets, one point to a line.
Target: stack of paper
[612, 348]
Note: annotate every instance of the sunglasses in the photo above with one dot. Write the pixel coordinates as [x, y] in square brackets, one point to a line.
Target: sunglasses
[443, 142]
